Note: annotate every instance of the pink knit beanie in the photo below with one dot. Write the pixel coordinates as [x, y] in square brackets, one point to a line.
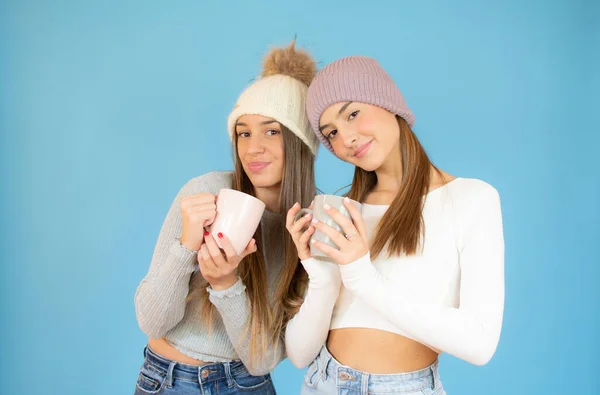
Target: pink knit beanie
[354, 78]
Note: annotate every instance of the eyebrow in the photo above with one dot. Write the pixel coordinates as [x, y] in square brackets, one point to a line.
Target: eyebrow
[321, 128]
[262, 123]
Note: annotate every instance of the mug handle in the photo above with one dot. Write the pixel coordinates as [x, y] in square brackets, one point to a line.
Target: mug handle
[302, 213]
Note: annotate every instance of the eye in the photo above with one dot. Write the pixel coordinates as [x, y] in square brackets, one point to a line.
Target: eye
[272, 132]
[353, 115]
[243, 134]
[331, 134]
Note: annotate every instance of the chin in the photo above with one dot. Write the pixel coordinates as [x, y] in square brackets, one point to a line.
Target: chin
[368, 168]
[366, 164]
[263, 180]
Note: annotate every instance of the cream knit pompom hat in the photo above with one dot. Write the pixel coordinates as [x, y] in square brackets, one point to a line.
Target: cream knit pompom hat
[280, 93]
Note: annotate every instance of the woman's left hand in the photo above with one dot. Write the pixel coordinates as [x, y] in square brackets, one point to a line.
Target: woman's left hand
[219, 267]
[353, 244]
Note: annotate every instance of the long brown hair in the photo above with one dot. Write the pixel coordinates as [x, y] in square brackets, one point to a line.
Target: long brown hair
[267, 322]
[402, 224]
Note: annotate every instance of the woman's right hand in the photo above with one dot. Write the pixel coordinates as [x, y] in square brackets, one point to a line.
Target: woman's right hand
[300, 236]
[197, 212]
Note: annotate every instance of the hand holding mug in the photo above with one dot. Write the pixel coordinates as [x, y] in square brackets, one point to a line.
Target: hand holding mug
[300, 230]
[218, 266]
[197, 211]
[298, 219]
[352, 241]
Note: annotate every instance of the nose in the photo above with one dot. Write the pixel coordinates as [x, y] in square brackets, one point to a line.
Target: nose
[255, 145]
[349, 137]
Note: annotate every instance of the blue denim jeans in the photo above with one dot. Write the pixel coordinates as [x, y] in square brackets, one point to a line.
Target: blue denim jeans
[325, 375]
[161, 376]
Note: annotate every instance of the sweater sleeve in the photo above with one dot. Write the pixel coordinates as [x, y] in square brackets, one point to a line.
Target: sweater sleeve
[234, 307]
[160, 299]
[307, 332]
[471, 331]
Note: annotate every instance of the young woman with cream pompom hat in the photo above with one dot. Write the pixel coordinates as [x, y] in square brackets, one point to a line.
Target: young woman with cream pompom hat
[215, 319]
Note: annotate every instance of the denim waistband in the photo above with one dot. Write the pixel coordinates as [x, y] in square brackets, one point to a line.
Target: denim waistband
[204, 373]
[352, 378]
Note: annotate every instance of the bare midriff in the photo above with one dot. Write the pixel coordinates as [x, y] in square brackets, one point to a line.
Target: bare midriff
[163, 348]
[378, 352]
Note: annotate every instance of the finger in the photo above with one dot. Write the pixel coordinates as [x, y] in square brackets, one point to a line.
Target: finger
[214, 250]
[291, 214]
[311, 204]
[305, 237]
[227, 247]
[250, 249]
[200, 212]
[203, 254]
[301, 223]
[194, 200]
[339, 239]
[204, 197]
[344, 222]
[201, 207]
[204, 266]
[206, 259]
[357, 218]
[192, 208]
[210, 218]
[328, 250]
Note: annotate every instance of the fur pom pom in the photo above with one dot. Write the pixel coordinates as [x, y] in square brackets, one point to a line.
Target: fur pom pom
[297, 64]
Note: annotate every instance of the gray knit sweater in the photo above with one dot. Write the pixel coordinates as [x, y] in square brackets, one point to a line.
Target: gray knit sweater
[160, 299]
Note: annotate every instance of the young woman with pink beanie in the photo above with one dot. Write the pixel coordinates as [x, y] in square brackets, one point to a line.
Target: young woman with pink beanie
[418, 271]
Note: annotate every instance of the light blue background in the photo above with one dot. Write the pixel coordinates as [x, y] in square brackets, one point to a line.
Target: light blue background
[107, 108]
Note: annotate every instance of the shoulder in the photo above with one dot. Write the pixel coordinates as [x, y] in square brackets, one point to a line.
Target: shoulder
[470, 198]
[471, 191]
[211, 182]
[474, 203]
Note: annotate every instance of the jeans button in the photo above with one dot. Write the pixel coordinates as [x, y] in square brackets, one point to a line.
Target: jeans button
[345, 376]
[204, 374]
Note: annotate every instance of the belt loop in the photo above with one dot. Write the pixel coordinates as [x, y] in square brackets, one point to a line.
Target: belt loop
[325, 366]
[200, 383]
[227, 366]
[365, 378]
[433, 378]
[170, 374]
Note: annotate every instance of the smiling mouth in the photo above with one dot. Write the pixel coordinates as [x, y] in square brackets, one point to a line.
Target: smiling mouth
[256, 167]
[362, 150]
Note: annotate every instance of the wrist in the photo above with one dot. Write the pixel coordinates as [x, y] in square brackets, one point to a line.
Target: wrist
[192, 245]
[223, 283]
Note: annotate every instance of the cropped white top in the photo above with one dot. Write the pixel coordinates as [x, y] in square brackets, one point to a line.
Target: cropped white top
[450, 296]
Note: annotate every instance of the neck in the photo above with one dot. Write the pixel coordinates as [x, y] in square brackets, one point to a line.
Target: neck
[389, 174]
[269, 196]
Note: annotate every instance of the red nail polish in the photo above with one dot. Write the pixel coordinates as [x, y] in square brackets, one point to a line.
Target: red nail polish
[220, 235]
[206, 233]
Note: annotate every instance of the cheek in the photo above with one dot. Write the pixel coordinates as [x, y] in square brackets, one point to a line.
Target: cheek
[338, 147]
[365, 125]
[241, 149]
[276, 151]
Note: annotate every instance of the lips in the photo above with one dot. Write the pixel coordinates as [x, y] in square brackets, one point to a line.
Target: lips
[362, 150]
[256, 167]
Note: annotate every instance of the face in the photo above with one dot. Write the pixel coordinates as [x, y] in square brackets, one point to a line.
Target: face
[361, 134]
[260, 149]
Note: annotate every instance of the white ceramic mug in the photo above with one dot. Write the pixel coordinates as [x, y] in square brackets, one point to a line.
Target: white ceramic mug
[238, 216]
